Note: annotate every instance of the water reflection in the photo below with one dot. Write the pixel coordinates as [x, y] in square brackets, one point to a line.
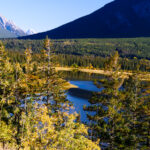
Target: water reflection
[80, 76]
[86, 85]
[79, 97]
[78, 105]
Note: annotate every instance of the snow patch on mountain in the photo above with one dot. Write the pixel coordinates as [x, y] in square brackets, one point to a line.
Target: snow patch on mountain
[30, 32]
[10, 26]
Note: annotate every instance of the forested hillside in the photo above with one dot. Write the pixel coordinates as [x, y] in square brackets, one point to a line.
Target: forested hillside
[129, 47]
[118, 19]
[88, 52]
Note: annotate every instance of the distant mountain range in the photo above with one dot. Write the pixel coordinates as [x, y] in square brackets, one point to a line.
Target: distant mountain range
[30, 32]
[118, 19]
[9, 30]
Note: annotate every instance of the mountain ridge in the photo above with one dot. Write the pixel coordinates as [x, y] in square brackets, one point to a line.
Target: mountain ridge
[8, 29]
[118, 19]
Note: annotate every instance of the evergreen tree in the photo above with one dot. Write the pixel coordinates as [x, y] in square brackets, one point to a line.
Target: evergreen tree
[26, 120]
[108, 120]
[136, 112]
[122, 117]
[6, 81]
[52, 88]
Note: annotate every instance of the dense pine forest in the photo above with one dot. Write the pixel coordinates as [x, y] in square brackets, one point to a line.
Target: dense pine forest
[88, 52]
[34, 111]
[127, 47]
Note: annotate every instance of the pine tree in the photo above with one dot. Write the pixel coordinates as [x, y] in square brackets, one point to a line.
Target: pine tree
[27, 121]
[46, 124]
[52, 88]
[108, 120]
[43, 132]
[122, 116]
[6, 81]
[136, 106]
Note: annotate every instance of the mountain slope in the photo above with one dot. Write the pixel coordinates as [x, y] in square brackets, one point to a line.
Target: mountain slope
[8, 29]
[120, 18]
[30, 32]
[6, 34]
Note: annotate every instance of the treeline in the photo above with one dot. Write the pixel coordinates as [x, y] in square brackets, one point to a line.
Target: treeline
[90, 61]
[34, 111]
[127, 48]
[134, 53]
[100, 62]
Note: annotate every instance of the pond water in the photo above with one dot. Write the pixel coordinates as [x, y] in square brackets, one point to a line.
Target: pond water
[85, 85]
[80, 96]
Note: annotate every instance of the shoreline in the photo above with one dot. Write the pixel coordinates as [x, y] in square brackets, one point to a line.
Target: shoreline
[142, 75]
[70, 86]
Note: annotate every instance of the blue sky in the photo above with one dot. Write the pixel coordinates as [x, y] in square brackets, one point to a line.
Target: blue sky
[42, 15]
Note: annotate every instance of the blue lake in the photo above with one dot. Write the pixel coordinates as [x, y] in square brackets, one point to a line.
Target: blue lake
[79, 97]
[86, 85]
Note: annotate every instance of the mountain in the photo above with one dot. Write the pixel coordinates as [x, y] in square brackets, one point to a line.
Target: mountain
[30, 32]
[8, 29]
[6, 34]
[120, 18]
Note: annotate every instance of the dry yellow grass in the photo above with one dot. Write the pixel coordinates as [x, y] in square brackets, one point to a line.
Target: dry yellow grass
[125, 74]
[69, 86]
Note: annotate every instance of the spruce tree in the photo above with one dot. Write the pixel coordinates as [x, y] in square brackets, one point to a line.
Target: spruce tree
[27, 120]
[136, 110]
[122, 115]
[108, 120]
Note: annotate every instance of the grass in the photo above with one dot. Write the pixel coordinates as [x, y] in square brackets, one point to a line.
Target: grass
[125, 74]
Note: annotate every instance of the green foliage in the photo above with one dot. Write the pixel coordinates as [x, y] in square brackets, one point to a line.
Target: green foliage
[138, 117]
[34, 113]
[122, 119]
[127, 47]
[84, 52]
